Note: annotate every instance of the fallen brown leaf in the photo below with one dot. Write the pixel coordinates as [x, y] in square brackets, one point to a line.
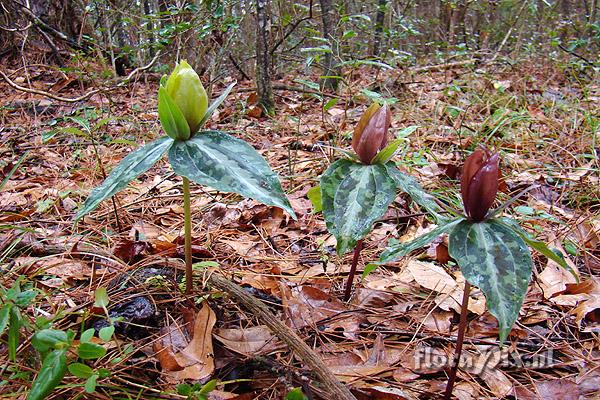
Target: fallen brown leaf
[250, 342]
[196, 360]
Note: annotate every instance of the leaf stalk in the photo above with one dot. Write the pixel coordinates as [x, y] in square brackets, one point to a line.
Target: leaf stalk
[357, 250]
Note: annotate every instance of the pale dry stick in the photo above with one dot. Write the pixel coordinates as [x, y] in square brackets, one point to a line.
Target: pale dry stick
[331, 385]
[83, 96]
[443, 67]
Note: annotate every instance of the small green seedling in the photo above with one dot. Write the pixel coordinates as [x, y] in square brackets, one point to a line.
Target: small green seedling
[53, 346]
[14, 299]
[197, 391]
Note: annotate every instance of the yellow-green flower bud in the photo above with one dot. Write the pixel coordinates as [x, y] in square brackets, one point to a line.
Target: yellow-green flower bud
[182, 102]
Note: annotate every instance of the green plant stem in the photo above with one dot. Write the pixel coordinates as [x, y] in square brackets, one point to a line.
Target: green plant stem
[462, 327]
[357, 250]
[187, 212]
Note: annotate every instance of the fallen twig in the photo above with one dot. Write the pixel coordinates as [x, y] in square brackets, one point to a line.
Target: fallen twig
[86, 95]
[333, 387]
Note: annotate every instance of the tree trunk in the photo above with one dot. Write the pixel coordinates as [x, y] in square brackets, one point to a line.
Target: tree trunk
[459, 22]
[331, 72]
[446, 20]
[263, 57]
[379, 21]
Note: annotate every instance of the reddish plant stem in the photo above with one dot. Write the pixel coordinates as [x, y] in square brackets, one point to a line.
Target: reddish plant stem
[462, 327]
[357, 250]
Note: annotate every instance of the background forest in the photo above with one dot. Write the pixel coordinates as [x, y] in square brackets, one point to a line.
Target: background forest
[97, 309]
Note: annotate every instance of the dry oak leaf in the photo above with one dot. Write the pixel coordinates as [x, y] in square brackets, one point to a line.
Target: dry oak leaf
[309, 306]
[497, 381]
[557, 389]
[435, 278]
[196, 360]
[553, 281]
[247, 341]
[587, 312]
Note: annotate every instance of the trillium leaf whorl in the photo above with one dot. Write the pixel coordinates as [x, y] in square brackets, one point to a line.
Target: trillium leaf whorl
[228, 164]
[493, 257]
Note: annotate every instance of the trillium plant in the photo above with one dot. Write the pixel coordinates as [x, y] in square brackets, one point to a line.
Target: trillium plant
[357, 190]
[492, 252]
[207, 157]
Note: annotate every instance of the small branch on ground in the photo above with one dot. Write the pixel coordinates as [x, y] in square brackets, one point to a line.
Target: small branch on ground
[86, 96]
[331, 385]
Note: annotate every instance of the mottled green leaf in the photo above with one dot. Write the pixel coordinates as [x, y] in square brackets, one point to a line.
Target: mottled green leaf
[494, 258]
[541, 247]
[51, 373]
[410, 186]
[128, 169]
[225, 163]
[354, 196]
[396, 249]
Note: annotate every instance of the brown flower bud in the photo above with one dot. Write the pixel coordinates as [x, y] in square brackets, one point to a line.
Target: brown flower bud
[370, 135]
[479, 183]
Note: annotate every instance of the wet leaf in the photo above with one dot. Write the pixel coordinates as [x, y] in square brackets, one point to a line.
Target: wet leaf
[354, 196]
[130, 167]
[52, 371]
[225, 163]
[495, 259]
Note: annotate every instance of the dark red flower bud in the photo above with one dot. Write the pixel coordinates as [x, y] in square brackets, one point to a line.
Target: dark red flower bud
[370, 135]
[479, 183]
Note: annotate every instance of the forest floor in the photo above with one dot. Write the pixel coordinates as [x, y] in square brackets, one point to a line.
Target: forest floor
[393, 338]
